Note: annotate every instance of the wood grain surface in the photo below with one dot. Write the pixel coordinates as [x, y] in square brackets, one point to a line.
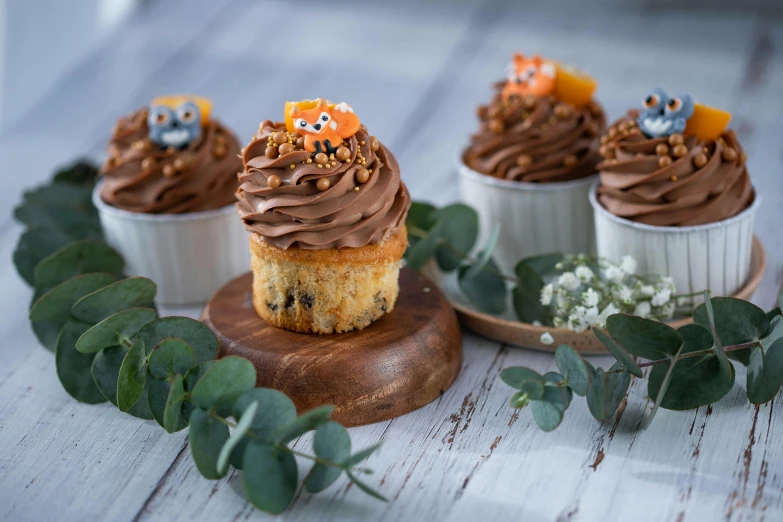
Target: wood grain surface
[414, 72]
[403, 361]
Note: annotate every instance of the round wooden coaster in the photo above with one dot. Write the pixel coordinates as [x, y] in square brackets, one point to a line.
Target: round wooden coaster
[401, 362]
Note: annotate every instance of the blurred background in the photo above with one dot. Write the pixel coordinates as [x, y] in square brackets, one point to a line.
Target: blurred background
[413, 70]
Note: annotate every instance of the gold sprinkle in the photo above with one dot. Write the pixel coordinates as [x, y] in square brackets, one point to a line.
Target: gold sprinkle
[309, 160]
[320, 166]
[361, 142]
[356, 189]
[674, 178]
[334, 164]
[292, 166]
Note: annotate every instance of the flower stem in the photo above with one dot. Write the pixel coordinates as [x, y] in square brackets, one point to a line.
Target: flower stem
[710, 351]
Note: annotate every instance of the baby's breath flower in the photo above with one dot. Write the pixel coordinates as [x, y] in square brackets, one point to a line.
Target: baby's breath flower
[590, 297]
[628, 265]
[591, 316]
[624, 294]
[569, 281]
[647, 290]
[610, 309]
[546, 338]
[546, 294]
[614, 274]
[642, 309]
[661, 297]
[583, 273]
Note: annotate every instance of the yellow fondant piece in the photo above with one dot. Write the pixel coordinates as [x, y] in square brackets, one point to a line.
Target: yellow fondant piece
[303, 105]
[707, 123]
[172, 102]
[573, 86]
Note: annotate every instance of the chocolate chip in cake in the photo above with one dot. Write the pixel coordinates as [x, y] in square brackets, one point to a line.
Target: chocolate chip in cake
[306, 300]
[289, 300]
[272, 306]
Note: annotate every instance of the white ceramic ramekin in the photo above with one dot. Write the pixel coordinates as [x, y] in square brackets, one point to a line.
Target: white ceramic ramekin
[189, 256]
[534, 218]
[715, 256]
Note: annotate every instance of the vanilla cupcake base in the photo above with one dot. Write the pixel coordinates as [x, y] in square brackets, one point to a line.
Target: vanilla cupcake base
[326, 291]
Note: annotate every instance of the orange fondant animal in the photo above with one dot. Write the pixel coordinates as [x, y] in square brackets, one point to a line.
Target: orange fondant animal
[323, 127]
[529, 76]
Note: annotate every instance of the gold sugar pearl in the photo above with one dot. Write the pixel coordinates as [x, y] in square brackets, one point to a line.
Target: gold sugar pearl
[323, 184]
[292, 166]
[343, 153]
[271, 152]
[169, 171]
[374, 144]
[680, 150]
[674, 178]
[285, 148]
[300, 142]
[139, 145]
[676, 139]
[356, 189]
[562, 111]
[334, 164]
[604, 138]
[664, 161]
[320, 166]
[273, 181]
[220, 151]
[146, 163]
[280, 137]
[361, 142]
[570, 161]
[699, 160]
[524, 161]
[362, 175]
[309, 160]
[612, 132]
[662, 149]
[219, 138]
[606, 151]
[495, 126]
[321, 158]
[180, 164]
[729, 154]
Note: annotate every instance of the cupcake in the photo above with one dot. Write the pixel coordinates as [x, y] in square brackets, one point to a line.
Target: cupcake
[675, 193]
[325, 208]
[531, 163]
[166, 198]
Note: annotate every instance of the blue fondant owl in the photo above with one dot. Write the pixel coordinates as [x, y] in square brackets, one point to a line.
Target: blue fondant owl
[664, 116]
[174, 127]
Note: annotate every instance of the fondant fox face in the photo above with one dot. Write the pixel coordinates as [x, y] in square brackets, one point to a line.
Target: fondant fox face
[529, 76]
[323, 127]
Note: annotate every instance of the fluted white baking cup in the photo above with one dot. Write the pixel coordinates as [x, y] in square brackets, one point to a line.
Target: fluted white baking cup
[533, 218]
[189, 256]
[715, 256]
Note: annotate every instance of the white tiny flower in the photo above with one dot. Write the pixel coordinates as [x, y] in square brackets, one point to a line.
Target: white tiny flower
[661, 297]
[642, 309]
[610, 309]
[569, 281]
[546, 338]
[628, 265]
[647, 290]
[614, 273]
[558, 321]
[591, 315]
[668, 310]
[583, 273]
[546, 294]
[590, 298]
[624, 294]
[577, 324]
[579, 311]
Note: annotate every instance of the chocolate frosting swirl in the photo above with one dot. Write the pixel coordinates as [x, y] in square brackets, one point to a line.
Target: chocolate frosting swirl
[298, 214]
[141, 177]
[535, 139]
[672, 181]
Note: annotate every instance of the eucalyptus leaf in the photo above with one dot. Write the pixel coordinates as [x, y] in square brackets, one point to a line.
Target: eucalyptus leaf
[74, 369]
[132, 377]
[276, 411]
[485, 255]
[542, 264]
[527, 296]
[158, 397]
[361, 455]
[556, 380]
[270, 476]
[80, 257]
[623, 357]
[665, 381]
[105, 372]
[573, 368]
[171, 357]
[172, 414]
[765, 365]
[237, 435]
[525, 380]
[307, 421]
[228, 378]
[460, 227]
[82, 172]
[331, 442]
[115, 330]
[548, 412]
[420, 252]
[521, 399]
[775, 312]
[127, 293]
[50, 313]
[486, 290]
[365, 488]
[196, 334]
[607, 390]
[696, 381]
[35, 244]
[207, 436]
[736, 322]
[420, 215]
[644, 337]
[190, 381]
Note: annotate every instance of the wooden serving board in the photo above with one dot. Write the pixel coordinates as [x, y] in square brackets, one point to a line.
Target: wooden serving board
[401, 362]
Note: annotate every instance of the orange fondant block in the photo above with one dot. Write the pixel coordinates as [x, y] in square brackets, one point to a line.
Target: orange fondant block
[572, 86]
[707, 123]
[303, 105]
[172, 102]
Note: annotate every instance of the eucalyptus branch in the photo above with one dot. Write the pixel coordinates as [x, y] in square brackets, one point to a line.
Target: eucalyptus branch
[742, 346]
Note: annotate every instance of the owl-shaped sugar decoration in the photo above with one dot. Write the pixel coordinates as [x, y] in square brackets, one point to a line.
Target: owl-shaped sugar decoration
[177, 121]
[664, 116]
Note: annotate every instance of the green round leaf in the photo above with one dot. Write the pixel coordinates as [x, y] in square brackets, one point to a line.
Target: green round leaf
[521, 399]
[573, 369]
[486, 290]
[197, 335]
[74, 368]
[460, 231]
[171, 357]
[50, 313]
[527, 296]
[126, 293]
[736, 322]
[158, 397]
[115, 329]
[331, 442]
[237, 435]
[607, 390]
[132, 377]
[224, 381]
[276, 411]
[361, 455]
[423, 248]
[543, 264]
[644, 337]
[105, 372]
[548, 412]
[80, 257]
[365, 488]
[555, 379]
[307, 421]
[207, 436]
[765, 365]
[39, 242]
[172, 413]
[623, 357]
[270, 477]
[526, 380]
[420, 215]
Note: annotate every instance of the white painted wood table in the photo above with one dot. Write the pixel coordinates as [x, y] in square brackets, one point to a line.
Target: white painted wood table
[415, 72]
